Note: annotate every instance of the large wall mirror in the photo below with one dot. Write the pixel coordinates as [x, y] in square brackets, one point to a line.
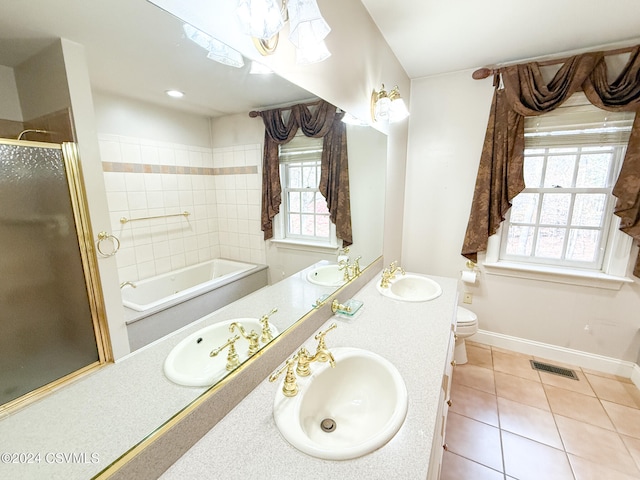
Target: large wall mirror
[161, 156]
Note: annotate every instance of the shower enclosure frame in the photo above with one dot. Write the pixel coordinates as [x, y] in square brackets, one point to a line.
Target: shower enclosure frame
[88, 257]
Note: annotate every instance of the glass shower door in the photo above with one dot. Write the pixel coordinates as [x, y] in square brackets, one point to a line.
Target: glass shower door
[50, 325]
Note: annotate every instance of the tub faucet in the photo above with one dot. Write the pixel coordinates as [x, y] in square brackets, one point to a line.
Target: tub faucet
[252, 337]
[124, 284]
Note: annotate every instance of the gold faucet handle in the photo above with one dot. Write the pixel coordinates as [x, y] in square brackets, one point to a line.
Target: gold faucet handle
[290, 386]
[267, 336]
[229, 342]
[320, 335]
[233, 360]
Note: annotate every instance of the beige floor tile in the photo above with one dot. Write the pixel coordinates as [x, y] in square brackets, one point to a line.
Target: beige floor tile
[474, 440]
[606, 375]
[625, 419]
[581, 385]
[479, 356]
[586, 470]
[475, 377]
[578, 406]
[510, 352]
[530, 422]
[478, 344]
[455, 467]
[633, 445]
[474, 403]
[517, 365]
[525, 459]
[596, 444]
[529, 392]
[615, 390]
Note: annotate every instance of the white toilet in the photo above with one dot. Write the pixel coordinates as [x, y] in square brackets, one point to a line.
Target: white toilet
[467, 325]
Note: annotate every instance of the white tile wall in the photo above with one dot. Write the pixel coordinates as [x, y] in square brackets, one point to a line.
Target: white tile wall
[225, 209]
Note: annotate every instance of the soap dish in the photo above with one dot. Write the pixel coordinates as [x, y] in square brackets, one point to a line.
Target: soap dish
[352, 306]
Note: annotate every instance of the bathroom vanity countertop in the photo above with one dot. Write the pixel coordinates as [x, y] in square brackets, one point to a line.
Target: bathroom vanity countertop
[103, 414]
[413, 336]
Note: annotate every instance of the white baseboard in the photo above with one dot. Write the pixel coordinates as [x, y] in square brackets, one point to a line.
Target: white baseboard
[591, 361]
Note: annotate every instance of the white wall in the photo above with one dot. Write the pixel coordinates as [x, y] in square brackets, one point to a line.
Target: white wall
[85, 126]
[9, 101]
[126, 117]
[448, 121]
[42, 83]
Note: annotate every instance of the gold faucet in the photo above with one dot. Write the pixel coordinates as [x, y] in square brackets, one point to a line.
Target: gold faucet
[322, 354]
[351, 269]
[232, 356]
[267, 336]
[290, 386]
[389, 274]
[252, 337]
[124, 284]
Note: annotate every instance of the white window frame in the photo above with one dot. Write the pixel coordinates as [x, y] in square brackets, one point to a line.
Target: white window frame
[301, 242]
[611, 275]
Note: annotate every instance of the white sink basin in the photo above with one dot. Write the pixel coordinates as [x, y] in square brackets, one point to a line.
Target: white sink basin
[411, 287]
[326, 275]
[363, 398]
[189, 362]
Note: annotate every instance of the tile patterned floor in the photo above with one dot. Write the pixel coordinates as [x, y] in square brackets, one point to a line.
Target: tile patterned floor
[510, 422]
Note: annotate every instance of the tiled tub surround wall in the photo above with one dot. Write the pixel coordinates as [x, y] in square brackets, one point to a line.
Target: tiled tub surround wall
[220, 188]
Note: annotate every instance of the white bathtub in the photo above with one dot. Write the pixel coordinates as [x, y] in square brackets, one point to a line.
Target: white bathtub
[182, 284]
[162, 304]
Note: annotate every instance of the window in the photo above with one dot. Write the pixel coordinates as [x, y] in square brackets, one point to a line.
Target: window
[563, 215]
[304, 216]
[563, 219]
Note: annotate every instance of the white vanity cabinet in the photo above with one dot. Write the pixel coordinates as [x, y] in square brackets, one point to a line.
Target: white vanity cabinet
[439, 438]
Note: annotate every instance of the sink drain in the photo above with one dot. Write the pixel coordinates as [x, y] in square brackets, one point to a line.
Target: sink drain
[328, 425]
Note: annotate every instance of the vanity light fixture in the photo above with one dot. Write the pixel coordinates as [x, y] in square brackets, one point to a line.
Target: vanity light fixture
[388, 107]
[263, 20]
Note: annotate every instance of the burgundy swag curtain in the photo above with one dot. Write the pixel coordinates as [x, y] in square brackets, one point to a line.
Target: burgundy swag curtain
[325, 122]
[500, 177]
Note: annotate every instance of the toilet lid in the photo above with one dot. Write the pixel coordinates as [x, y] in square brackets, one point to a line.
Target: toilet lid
[466, 316]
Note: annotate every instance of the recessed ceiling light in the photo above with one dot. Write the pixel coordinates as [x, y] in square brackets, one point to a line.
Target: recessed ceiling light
[175, 93]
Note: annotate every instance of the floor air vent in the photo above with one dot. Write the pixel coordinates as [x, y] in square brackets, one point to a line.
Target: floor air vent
[545, 367]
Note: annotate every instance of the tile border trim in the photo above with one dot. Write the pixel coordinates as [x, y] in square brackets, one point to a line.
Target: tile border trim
[176, 169]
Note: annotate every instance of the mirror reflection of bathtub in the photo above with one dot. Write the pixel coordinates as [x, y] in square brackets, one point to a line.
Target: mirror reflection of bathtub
[164, 303]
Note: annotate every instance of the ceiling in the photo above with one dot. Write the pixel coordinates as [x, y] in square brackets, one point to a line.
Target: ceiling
[135, 49]
[431, 37]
